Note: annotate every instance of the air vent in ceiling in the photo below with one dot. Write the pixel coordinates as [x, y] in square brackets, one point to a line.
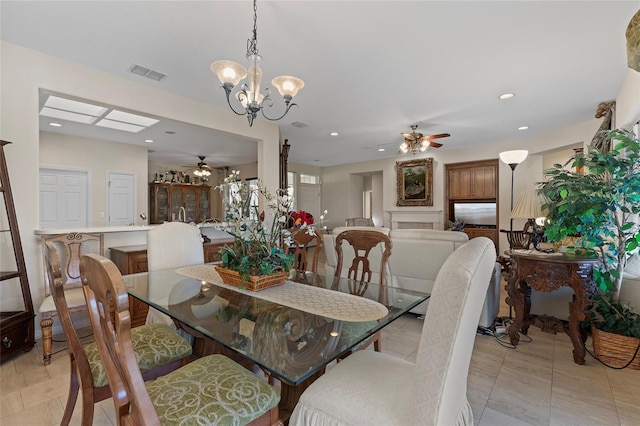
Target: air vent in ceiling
[146, 72]
[299, 124]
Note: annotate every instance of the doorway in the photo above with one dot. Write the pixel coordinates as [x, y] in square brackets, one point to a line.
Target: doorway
[121, 198]
[63, 198]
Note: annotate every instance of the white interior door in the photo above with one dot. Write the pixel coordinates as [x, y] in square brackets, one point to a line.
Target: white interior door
[121, 202]
[63, 198]
[308, 199]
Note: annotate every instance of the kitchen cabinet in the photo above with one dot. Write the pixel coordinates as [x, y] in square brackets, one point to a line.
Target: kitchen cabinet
[167, 199]
[483, 232]
[476, 180]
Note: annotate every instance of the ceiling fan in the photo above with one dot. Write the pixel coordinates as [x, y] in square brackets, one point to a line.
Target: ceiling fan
[202, 170]
[418, 142]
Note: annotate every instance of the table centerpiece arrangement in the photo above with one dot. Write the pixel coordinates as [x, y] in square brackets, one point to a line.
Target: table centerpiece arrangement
[256, 260]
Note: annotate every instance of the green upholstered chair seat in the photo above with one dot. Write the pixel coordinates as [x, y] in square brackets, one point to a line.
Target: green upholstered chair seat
[212, 390]
[154, 345]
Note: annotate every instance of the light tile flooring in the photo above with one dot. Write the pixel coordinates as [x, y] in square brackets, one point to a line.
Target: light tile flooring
[535, 384]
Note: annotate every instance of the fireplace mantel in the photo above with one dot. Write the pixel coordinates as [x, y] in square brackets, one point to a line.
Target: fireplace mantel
[407, 219]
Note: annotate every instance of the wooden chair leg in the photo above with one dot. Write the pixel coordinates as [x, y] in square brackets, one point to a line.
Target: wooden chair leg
[377, 343]
[46, 325]
[72, 398]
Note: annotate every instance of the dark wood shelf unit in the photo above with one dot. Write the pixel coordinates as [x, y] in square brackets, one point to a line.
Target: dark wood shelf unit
[17, 325]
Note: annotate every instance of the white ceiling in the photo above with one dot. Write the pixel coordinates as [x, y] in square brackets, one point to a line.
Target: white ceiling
[371, 68]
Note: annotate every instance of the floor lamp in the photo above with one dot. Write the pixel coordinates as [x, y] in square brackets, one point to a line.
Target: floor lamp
[512, 159]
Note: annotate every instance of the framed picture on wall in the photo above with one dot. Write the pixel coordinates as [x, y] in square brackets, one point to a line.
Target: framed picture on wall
[415, 182]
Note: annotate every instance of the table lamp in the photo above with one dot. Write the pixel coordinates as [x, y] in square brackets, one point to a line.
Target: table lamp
[529, 206]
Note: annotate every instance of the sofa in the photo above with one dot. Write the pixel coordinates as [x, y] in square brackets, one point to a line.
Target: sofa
[416, 257]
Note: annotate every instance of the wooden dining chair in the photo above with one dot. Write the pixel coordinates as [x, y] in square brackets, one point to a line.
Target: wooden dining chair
[71, 246]
[158, 349]
[371, 388]
[212, 390]
[302, 243]
[360, 274]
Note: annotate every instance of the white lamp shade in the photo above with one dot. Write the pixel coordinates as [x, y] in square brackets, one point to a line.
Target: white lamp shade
[228, 71]
[528, 205]
[514, 157]
[287, 85]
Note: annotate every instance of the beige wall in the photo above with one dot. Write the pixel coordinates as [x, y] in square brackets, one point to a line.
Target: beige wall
[24, 72]
[100, 157]
[337, 180]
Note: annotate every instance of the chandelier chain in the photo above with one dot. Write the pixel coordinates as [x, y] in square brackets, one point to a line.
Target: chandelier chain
[252, 44]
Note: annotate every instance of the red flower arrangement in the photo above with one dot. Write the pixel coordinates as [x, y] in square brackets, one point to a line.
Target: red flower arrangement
[300, 217]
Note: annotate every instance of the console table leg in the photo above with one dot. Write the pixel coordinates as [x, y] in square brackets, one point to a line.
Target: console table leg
[576, 334]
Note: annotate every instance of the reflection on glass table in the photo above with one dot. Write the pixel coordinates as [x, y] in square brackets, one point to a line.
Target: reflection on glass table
[288, 343]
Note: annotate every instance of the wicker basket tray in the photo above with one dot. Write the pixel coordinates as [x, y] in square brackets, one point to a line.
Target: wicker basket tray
[615, 350]
[251, 282]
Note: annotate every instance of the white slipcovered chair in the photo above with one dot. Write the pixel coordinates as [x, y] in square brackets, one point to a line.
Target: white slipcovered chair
[172, 245]
[372, 388]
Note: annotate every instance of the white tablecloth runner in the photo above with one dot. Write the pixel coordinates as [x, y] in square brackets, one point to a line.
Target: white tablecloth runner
[315, 300]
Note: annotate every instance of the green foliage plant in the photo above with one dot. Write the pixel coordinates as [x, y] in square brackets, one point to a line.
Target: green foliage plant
[601, 207]
[259, 238]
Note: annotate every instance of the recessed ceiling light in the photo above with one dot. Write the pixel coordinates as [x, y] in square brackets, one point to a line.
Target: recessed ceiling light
[506, 96]
[380, 149]
[334, 133]
[53, 124]
[148, 140]
[523, 127]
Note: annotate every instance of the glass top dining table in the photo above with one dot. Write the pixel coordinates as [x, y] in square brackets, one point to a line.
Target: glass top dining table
[285, 340]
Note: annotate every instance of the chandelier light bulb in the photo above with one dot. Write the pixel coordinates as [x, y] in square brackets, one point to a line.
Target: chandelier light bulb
[229, 72]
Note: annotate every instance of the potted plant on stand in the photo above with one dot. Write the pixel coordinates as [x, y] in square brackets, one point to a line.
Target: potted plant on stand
[601, 207]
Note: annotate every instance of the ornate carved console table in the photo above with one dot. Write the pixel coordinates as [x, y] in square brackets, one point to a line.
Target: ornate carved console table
[547, 273]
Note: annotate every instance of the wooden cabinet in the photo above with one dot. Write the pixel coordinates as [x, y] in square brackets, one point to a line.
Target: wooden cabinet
[167, 199]
[483, 232]
[17, 324]
[211, 250]
[130, 259]
[477, 180]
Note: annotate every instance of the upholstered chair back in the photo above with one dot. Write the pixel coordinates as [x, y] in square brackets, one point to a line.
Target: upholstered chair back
[449, 332]
[174, 244]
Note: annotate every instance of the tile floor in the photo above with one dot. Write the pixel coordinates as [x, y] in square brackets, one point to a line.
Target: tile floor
[535, 384]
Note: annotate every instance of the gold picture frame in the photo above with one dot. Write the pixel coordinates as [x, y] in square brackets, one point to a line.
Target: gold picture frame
[415, 182]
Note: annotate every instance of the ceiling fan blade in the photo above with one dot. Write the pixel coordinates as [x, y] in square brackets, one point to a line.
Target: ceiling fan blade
[409, 136]
[438, 136]
[435, 144]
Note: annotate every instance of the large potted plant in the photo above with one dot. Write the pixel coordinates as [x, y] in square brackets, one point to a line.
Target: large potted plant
[601, 207]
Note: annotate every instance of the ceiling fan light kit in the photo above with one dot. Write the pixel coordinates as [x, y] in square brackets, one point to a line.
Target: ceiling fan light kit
[202, 171]
[417, 142]
[231, 73]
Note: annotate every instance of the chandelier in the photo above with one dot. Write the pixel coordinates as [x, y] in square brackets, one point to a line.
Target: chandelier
[231, 73]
